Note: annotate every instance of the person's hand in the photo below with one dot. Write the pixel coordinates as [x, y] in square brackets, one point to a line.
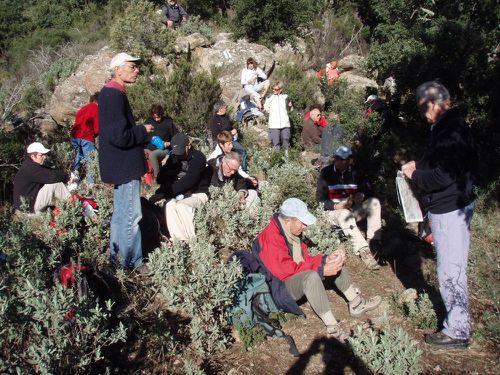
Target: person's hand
[346, 205]
[333, 266]
[253, 181]
[149, 128]
[409, 168]
[241, 195]
[339, 253]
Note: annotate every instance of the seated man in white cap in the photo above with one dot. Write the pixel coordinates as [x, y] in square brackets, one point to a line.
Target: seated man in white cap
[280, 249]
[37, 184]
[344, 199]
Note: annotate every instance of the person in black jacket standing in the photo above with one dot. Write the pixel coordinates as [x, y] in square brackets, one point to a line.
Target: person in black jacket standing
[445, 175]
[184, 179]
[39, 185]
[122, 161]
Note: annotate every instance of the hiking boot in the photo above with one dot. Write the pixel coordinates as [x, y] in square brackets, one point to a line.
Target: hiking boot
[440, 340]
[359, 305]
[337, 332]
[367, 257]
[143, 270]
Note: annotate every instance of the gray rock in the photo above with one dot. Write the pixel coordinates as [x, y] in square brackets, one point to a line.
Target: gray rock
[193, 41]
[357, 82]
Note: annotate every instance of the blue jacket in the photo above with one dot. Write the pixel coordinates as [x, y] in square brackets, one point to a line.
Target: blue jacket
[121, 142]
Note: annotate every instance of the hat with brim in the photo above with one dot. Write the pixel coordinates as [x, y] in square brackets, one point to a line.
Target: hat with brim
[121, 58]
[371, 98]
[37, 147]
[294, 207]
[179, 143]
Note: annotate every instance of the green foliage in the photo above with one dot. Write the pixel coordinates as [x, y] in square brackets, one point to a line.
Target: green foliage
[322, 236]
[45, 14]
[59, 71]
[272, 21]
[195, 24]
[140, 31]
[251, 336]
[420, 311]
[390, 351]
[193, 280]
[302, 89]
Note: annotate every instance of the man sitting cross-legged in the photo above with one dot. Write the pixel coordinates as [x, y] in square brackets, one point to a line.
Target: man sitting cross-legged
[184, 180]
[281, 251]
[338, 189]
[225, 170]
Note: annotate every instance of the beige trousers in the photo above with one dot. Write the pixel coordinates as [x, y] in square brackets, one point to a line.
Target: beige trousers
[252, 198]
[47, 193]
[180, 215]
[346, 220]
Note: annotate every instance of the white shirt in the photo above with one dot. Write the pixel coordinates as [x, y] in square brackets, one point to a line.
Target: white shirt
[249, 76]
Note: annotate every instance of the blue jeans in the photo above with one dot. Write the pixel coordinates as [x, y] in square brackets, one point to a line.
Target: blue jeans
[238, 147]
[82, 149]
[451, 235]
[125, 244]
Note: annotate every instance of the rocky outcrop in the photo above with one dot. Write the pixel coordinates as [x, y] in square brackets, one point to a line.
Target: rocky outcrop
[74, 92]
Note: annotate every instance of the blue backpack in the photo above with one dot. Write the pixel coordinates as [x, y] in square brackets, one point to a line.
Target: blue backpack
[253, 306]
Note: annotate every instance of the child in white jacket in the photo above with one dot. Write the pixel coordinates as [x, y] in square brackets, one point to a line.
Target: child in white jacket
[277, 106]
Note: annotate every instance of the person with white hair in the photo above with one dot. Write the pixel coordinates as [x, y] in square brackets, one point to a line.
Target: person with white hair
[122, 161]
[295, 273]
[37, 184]
[445, 174]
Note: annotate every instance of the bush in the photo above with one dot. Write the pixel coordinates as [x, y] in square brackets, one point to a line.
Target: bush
[420, 311]
[141, 32]
[195, 24]
[390, 351]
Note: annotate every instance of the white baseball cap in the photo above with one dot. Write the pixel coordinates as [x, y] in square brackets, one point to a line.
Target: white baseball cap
[37, 147]
[294, 207]
[121, 58]
[371, 98]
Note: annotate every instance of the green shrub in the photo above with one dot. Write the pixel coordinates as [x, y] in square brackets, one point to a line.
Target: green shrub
[195, 24]
[420, 311]
[322, 236]
[193, 280]
[58, 71]
[390, 351]
[140, 31]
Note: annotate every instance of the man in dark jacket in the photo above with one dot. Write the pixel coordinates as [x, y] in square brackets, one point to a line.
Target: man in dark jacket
[225, 171]
[445, 175]
[39, 185]
[184, 179]
[283, 254]
[174, 13]
[122, 161]
[343, 197]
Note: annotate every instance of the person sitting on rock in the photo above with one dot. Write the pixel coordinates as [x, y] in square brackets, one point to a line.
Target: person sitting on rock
[277, 105]
[184, 180]
[223, 147]
[312, 131]
[280, 249]
[341, 195]
[220, 121]
[84, 132]
[159, 146]
[37, 184]
[254, 81]
[225, 171]
[175, 14]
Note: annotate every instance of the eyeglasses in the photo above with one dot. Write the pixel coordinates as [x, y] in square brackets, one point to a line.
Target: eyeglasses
[132, 67]
[230, 168]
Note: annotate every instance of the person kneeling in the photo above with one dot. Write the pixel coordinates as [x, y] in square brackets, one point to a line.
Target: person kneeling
[281, 250]
[184, 180]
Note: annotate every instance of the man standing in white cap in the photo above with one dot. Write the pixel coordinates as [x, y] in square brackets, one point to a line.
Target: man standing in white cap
[122, 161]
[280, 249]
[39, 185]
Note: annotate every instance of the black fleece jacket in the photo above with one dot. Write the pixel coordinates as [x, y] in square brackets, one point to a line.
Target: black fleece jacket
[445, 171]
[31, 177]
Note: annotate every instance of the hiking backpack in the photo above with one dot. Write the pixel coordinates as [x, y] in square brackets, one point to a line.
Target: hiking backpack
[253, 306]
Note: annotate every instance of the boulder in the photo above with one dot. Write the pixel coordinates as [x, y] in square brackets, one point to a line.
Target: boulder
[354, 63]
[229, 58]
[294, 54]
[74, 92]
[359, 83]
[192, 41]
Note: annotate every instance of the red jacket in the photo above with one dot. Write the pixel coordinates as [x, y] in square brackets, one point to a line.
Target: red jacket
[86, 123]
[277, 255]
